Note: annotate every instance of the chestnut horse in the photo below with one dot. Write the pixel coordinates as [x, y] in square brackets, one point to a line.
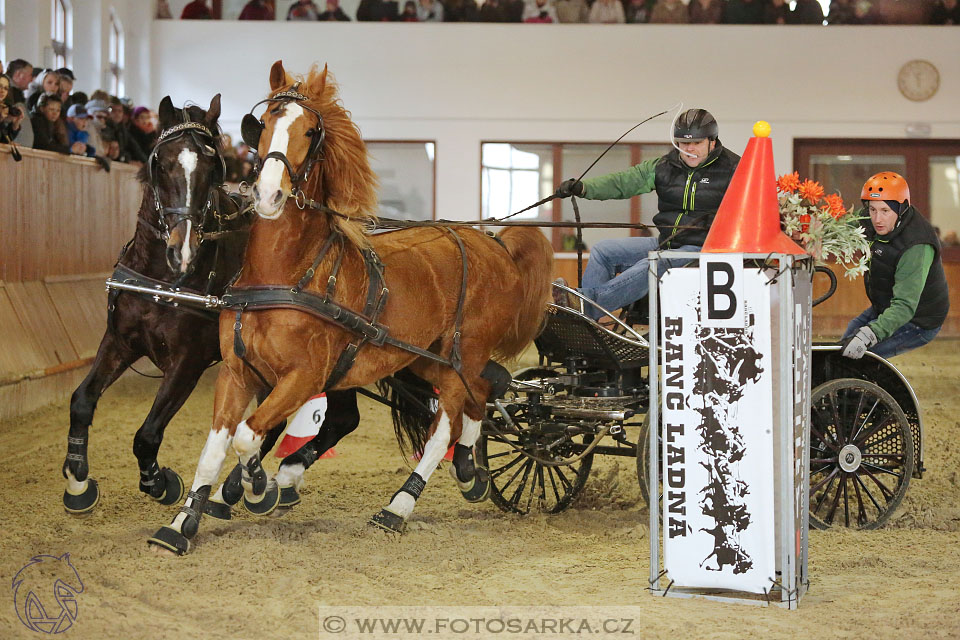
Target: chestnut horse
[312, 150]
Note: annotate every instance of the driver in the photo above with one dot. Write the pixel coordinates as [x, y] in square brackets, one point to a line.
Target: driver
[906, 284]
[690, 182]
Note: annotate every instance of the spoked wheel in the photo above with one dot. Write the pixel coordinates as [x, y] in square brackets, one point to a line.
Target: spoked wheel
[643, 459]
[861, 455]
[520, 484]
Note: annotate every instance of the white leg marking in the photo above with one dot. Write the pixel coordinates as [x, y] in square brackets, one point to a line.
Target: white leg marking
[290, 474]
[272, 172]
[245, 442]
[211, 459]
[471, 431]
[74, 486]
[433, 453]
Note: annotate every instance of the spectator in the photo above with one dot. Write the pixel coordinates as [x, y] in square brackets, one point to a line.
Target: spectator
[409, 12]
[196, 10]
[865, 13]
[841, 12]
[461, 11]
[20, 73]
[706, 11]
[491, 11]
[333, 13]
[378, 11]
[99, 115]
[540, 11]
[142, 130]
[47, 82]
[778, 12]
[163, 10]
[638, 11]
[430, 11]
[117, 127]
[66, 83]
[256, 10]
[607, 12]
[669, 12]
[945, 12]
[572, 10]
[10, 116]
[77, 121]
[77, 97]
[49, 132]
[512, 10]
[807, 12]
[303, 10]
[744, 12]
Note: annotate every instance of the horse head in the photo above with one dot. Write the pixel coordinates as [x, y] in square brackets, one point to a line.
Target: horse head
[310, 148]
[184, 171]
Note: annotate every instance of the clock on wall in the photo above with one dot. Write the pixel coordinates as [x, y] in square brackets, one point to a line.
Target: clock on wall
[918, 80]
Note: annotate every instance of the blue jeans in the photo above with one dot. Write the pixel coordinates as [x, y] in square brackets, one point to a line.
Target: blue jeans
[617, 272]
[906, 338]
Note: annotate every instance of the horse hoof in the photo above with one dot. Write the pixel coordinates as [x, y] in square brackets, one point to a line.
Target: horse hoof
[172, 489]
[217, 509]
[232, 489]
[266, 503]
[289, 497]
[169, 540]
[84, 502]
[477, 489]
[388, 521]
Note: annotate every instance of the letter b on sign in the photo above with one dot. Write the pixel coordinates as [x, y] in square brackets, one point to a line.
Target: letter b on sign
[721, 291]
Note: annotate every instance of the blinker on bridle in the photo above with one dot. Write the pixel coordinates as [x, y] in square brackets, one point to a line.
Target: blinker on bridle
[251, 128]
[194, 130]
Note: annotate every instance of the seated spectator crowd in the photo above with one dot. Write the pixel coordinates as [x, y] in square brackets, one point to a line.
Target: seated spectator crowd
[937, 12]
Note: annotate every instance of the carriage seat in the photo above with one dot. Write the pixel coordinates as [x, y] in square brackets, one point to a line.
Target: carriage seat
[568, 335]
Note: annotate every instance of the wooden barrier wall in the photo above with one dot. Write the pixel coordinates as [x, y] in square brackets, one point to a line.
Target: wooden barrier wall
[62, 223]
[831, 317]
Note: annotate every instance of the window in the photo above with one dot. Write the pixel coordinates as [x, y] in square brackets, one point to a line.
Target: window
[61, 33]
[116, 55]
[515, 175]
[407, 172]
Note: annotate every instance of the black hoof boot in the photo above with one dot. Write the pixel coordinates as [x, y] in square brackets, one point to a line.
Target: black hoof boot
[217, 509]
[388, 521]
[172, 489]
[289, 497]
[477, 489]
[265, 505]
[171, 540]
[232, 489]
[84, 502]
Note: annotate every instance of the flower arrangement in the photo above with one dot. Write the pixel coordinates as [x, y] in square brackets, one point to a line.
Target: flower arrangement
[821, 224]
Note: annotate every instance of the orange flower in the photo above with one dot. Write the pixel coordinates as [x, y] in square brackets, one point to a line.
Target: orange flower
[834, 206]
[804, 222]
[788, 183]
[811, 191]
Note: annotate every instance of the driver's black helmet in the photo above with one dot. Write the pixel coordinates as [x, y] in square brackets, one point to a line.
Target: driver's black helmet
[695, 124]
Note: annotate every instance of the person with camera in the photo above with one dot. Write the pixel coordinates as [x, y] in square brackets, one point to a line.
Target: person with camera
[10, 116]
[690, 182]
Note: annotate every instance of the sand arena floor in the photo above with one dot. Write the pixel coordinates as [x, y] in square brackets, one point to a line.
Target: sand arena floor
[265, 578]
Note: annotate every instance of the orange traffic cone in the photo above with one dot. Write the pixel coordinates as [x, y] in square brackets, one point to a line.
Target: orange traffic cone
[329, 453]
[748, 220]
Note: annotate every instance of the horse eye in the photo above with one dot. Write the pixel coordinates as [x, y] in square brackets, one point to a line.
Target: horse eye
[310, 133]
[210, 150]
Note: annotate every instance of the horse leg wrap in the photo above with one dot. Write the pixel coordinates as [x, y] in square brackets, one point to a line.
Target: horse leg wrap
[77, 455]
[473, 481]
[305, 455]
[151, 481]
[232, 489]
[414, 486]
[254, 475]
[193, 508]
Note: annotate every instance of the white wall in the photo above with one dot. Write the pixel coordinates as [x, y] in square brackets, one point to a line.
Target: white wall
[28, 37]
[460, 84]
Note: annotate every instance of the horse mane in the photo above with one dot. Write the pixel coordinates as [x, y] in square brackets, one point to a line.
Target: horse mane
[343, 176]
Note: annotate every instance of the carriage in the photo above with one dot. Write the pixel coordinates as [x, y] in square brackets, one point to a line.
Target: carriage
[589, 396]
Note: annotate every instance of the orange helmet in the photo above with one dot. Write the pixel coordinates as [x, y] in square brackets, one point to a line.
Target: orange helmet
[886, 185]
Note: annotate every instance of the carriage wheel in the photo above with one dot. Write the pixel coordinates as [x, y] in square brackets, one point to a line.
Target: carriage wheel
[520, 484]
[861, 455]
[643, 457]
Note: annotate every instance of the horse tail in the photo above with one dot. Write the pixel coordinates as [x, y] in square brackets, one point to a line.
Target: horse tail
[533, 255]
[409, 398]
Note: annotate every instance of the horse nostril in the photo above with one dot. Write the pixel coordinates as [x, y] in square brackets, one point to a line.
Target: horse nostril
[277, 197]
[256, 192]
[173, 258]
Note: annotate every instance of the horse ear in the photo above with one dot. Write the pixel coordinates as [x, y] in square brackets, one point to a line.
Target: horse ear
[318, 82]
[213, 111]
[168, 114]
[278, 76]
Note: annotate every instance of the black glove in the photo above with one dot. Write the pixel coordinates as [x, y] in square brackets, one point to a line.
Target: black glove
[571, 187]
[103, 162]
[856, 345]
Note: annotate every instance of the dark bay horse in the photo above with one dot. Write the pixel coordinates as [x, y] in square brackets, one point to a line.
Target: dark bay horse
[190, 234]
[460, 297]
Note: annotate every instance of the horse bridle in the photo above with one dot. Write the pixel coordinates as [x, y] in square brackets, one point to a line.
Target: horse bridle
[196, 131]
[251, 128]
